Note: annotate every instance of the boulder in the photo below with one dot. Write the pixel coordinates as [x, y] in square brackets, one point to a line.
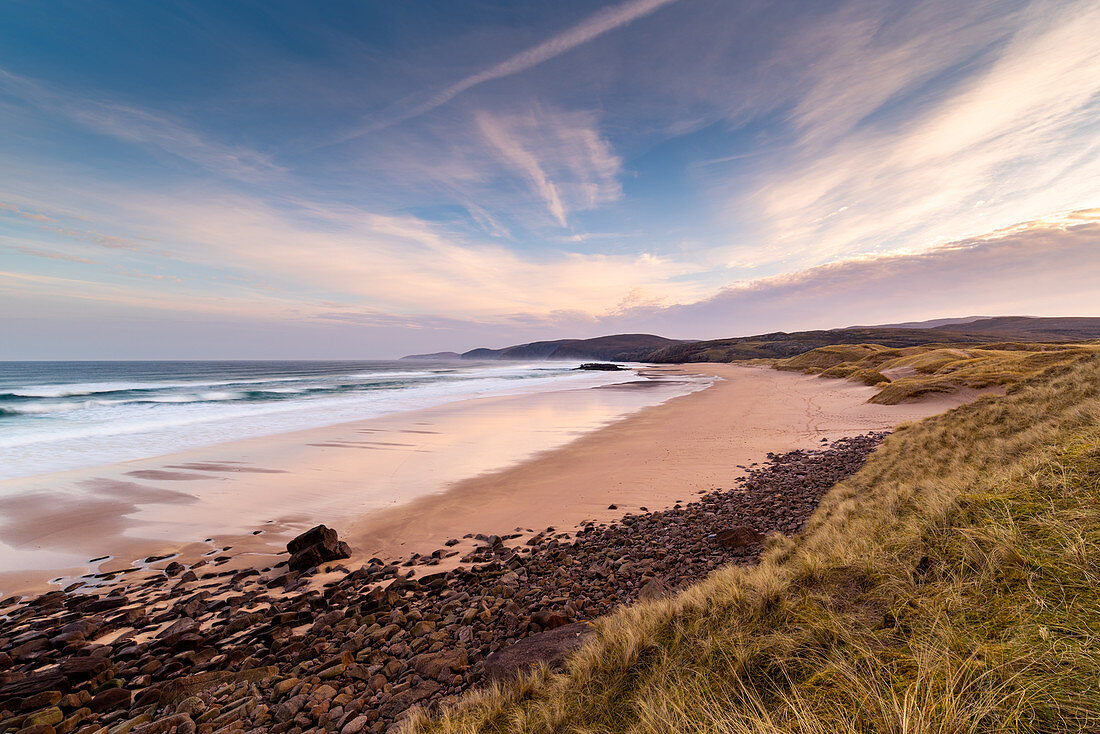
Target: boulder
[316, 546]
[550, 647]
[320, 535]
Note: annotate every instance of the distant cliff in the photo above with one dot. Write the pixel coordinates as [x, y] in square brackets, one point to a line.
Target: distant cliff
[434, 355]
[617, 347]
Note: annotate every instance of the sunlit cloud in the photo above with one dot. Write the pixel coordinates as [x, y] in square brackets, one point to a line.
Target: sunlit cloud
[1015, 140]
[1047, 267]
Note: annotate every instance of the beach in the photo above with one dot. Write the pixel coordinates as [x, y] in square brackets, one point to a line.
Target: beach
[504, 526]
[407, 483]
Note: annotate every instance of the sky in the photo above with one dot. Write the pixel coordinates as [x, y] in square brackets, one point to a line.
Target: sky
[368, 179]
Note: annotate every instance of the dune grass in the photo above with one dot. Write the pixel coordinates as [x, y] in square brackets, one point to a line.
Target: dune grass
[952, 585]
[909, 373]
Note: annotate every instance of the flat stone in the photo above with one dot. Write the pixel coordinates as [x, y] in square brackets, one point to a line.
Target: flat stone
[550, 647]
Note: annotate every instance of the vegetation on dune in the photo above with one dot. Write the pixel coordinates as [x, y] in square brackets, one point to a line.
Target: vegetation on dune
[912, 372]
[952, 585]
[780, 344]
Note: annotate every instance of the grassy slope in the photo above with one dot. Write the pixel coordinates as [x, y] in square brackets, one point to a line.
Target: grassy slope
[908, 373]
[781, 344]
[953, 585]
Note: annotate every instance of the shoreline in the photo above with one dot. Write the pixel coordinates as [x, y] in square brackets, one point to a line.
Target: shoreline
[650, 458]
[249, 496]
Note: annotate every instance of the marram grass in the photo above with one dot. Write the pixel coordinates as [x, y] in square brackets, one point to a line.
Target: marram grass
[909, 373]
[951, 586]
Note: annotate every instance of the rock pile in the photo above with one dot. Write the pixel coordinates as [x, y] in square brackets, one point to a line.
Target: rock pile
[201, 649]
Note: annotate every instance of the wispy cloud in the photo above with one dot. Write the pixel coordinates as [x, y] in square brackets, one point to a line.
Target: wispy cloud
[587, 30]
[562, 155]
[52, 255]
[144, 127]
[1015, 139]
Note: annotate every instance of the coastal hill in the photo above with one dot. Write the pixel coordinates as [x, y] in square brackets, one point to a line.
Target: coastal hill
[1028, 328]
[621, 347]
[781, 344]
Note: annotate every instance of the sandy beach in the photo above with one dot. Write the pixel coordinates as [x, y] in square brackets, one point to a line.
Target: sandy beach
[406, 483]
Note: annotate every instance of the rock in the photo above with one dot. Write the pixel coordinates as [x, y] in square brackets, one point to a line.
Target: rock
[40, 700]
[432, 665]
[316, 546]
[549, 620]
[601, 367]
[402, 702]
[285, 685]
[550, 647]
[181, 626]
[37, 729]
[320, 535]
[356, 725]
[652, 590]
[37, 683]
[110, 699]
[191, 706]
[182, 723]
[45, 717]
[738, 536]
[84, 668]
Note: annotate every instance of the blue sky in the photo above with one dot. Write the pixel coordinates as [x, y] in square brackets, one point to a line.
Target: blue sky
[365, 179]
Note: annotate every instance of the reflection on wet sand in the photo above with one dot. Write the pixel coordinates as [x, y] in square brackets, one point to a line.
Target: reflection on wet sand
[292, 478]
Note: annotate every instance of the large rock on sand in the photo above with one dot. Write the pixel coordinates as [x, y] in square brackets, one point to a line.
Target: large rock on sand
[316, 546]
[550, 647]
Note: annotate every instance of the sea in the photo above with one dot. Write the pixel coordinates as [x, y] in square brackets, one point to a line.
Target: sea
[58, 416]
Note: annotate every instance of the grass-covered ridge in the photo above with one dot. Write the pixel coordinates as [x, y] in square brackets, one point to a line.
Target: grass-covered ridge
[912, 372]
[953, 585]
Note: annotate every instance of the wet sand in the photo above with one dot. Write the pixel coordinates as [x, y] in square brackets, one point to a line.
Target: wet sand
[250, 496]
[406, 483]
[670, 452]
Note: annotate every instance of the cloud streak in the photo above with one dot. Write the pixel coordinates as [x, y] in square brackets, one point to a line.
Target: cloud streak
[562, 155]
[134, 125]
[587, 30]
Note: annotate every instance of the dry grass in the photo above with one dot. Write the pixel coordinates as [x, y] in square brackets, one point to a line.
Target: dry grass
[951, 586]
[911, 372]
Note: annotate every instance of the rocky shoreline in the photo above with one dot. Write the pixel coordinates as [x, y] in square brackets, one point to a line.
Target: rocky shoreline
[203, 649]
